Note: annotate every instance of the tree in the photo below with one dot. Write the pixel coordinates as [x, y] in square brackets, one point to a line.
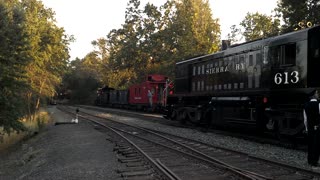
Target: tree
[298, 14]
[33, 57]
[48, 52]
[131, 52]
[258, 26]
[235, 35]
[153, 39]
[194, 30]
[13, 58]
[81, 81]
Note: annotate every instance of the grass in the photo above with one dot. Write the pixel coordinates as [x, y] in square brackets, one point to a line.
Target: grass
[33, 127]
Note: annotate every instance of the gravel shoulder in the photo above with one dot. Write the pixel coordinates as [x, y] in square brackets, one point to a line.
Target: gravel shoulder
[66, 151]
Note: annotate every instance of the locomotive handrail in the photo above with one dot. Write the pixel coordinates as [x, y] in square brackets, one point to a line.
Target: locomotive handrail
[165, 93]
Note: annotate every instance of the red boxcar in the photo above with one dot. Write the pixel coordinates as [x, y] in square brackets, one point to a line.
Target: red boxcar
[138, 93]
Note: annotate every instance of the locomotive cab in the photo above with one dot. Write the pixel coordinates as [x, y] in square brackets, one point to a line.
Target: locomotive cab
[314, 57]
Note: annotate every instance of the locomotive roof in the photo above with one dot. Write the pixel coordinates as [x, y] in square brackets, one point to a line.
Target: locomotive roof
[253, 45]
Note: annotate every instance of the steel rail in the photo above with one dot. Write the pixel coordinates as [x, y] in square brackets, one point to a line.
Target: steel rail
[170, 175]
[241, 172]
[298, 170]
[212, 159]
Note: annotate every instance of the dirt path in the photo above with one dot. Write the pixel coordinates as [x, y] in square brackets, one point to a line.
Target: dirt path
[68, 151]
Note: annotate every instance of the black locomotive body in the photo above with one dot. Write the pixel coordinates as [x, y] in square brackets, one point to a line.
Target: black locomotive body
[261, 84]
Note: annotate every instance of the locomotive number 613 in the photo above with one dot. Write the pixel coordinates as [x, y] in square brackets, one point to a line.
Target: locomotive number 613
[286, 78]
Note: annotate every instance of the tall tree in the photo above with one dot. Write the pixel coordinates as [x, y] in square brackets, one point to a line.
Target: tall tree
[13, 58]
[130, 50]
[81, 80]
[33, 56]
[297, 14]
[49, 52]
[194, 29]
[152, 39]
[258, 26]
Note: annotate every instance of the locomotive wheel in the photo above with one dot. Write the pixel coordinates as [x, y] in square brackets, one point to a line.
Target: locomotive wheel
[271, 124]
[183, 117]
[194, 117]
[174, 115]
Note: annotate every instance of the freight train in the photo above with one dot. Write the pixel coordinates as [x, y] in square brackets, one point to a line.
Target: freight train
[136, 97]
[261, 84]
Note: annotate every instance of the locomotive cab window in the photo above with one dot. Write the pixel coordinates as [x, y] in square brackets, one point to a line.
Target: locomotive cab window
[250, 60]
[194, 70]
[283, 55]
[315, 47]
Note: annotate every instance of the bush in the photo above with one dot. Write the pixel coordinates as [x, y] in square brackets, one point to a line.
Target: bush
[42, 119]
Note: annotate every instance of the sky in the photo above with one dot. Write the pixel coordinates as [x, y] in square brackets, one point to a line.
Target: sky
[88, 20]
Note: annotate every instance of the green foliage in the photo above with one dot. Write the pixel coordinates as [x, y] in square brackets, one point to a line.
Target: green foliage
[14, 44]
[49, 53]
[153, 39]
[33, 57]
[296, 14]
[193, 29]
[258, 26]
[235, 35]
[81, 81]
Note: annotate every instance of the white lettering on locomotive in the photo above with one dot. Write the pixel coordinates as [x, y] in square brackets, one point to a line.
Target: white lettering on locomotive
[286, 78]
[221, 69]
[240, 66]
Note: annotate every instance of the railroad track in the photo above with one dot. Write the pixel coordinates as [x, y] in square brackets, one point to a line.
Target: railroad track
[175, 157]
[285, 142]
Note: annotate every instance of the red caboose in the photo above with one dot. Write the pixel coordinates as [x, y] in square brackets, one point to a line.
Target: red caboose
[138, 93]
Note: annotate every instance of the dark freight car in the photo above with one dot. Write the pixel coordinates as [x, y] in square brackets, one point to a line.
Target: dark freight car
[261, 84]
[103, 96]
[118, 98]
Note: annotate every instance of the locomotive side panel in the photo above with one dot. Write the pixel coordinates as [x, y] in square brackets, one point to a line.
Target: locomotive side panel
[222, 76]
[262, 84]
[182, 79]
[288, 62]
[232, 72]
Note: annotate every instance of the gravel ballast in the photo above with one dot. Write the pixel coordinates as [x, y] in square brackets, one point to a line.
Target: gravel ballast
[78, 151]
[287, 156]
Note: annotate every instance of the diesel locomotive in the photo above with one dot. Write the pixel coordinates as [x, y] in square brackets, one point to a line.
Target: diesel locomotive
[261, 84]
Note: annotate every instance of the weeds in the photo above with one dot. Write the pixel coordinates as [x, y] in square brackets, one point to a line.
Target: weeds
[42, 118]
